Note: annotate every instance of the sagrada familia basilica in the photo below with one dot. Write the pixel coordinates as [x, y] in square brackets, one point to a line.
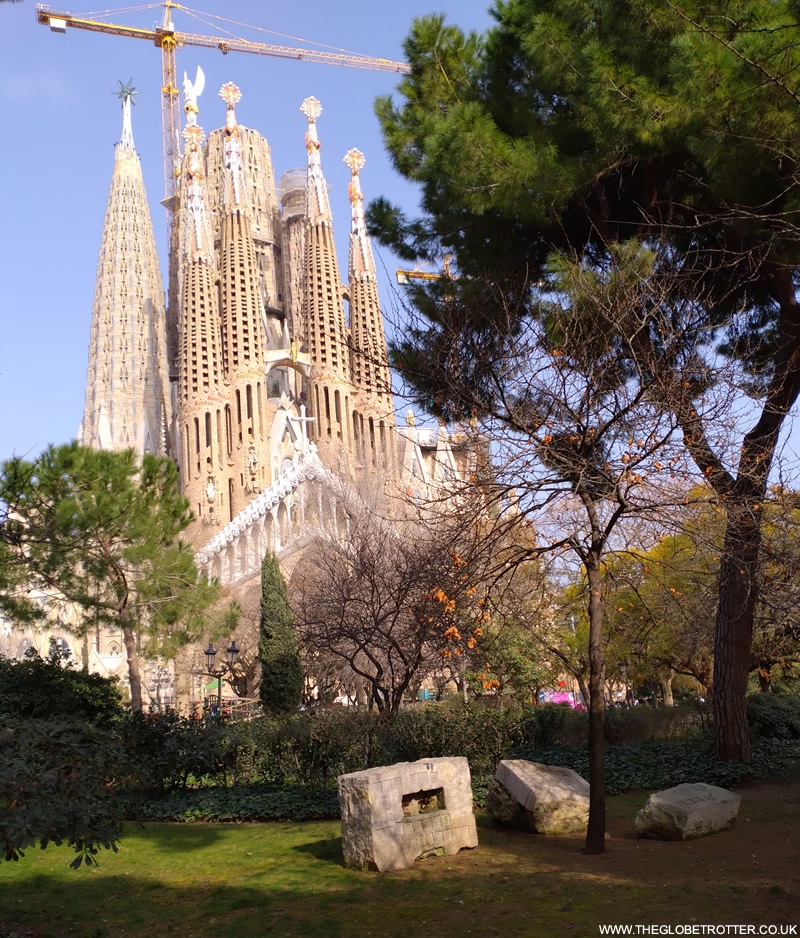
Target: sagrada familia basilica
[260, 371]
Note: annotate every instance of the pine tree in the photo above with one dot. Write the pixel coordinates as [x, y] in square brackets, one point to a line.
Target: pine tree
[281, 670]
[99, 530]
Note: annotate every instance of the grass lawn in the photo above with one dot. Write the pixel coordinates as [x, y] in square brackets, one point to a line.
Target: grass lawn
[249, 880]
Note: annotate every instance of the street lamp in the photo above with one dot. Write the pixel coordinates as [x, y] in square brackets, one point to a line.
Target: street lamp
[232, 652]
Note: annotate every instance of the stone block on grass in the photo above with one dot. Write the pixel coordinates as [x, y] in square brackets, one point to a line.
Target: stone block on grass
[397, 814]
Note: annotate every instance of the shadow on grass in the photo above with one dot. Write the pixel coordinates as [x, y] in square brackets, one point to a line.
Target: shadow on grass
[181, 838]
[503, 888]
[329, 850]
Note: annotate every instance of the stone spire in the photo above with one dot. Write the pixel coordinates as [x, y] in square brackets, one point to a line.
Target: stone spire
[325, 337]
[373, 410]
[127, 387]
[243, 318]
[234, 190]
[202, 405]
[370, 360]
[319, 209]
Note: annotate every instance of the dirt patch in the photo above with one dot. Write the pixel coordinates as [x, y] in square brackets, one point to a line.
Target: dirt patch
[749, 874]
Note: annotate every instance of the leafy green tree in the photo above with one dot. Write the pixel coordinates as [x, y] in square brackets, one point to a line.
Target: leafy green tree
[282, 682]
[662, 600]
[516, 658]
[661, 604]
[577, 127]
[100, 530]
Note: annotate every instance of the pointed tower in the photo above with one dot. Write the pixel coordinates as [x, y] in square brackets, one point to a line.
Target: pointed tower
[263, 214]
[373, 410]
[204, 420]
[127, 387]
[325, 337]
[243, 321]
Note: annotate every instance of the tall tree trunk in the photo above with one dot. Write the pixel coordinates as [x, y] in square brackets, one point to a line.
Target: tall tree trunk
[733, 637]
[134, 676]
[596, 829]
[183, 686]
[738, 584]
[582, 687]
[666, 686]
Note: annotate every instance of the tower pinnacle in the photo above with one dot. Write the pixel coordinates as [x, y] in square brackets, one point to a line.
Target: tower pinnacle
[126, 95]
[200, 227]
[233, 189]
[319, 210]
[369, 362]
[362, 264]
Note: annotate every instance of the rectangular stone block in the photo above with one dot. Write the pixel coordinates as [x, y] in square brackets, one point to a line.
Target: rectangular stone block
[394, 815]
[554, 799]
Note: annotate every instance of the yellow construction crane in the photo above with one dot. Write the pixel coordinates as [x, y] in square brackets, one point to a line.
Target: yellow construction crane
[403, 276]
[168, 39]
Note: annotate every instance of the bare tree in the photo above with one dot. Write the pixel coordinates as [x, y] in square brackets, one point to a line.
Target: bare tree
[576, 432]
[400, 597]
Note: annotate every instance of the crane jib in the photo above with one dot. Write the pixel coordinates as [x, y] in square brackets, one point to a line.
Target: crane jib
[58, 21]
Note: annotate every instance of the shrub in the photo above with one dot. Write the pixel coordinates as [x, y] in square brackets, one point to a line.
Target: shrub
[774, 716]
[630, 724]
[164, 750]
[308, 748]
[38, 689]
[483, 734]
[56, 785]
[545, 723]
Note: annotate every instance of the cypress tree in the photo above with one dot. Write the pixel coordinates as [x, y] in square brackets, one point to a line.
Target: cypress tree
[281, 670]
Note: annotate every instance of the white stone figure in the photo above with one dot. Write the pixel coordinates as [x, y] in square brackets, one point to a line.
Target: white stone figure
[191, 92]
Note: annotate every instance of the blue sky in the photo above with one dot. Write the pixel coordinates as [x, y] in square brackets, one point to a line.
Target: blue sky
[61, 123]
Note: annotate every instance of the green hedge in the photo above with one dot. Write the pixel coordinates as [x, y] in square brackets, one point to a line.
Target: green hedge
[168, 768]
[664, 763]
[481, 733]
[240, 803]
[651, 765]
[277, 767]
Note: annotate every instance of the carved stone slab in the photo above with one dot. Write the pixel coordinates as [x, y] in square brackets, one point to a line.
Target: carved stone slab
[555, 799]
[396, 814]
[687, 811]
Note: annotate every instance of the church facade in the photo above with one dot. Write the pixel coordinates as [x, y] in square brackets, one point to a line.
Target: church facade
[260, 370]
[266, 366]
